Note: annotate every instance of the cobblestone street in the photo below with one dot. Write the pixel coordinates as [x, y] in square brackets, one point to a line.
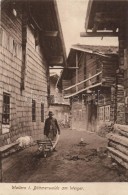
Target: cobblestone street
[72, 162]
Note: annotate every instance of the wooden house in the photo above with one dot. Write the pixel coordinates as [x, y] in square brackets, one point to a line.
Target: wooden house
[103, 20]
[31, 41]
[89, 82]
[59, 105]
[109, 19]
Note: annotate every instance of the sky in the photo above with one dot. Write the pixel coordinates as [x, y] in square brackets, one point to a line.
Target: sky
[72, 16]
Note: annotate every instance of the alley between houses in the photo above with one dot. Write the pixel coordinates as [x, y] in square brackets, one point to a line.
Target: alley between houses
[74, 161]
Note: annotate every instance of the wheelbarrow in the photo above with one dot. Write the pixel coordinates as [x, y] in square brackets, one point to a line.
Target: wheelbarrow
[46, 146]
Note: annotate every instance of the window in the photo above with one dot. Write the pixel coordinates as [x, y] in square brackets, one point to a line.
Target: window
[101, 113]
[126, 110]
[6, 109]
[42, 112]
[33, 110]
[104, 113]
[107, 113]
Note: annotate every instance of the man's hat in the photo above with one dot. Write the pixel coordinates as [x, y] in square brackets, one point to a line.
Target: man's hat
[50, 112]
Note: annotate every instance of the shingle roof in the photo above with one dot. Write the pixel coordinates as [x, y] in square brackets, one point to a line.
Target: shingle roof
[98, 49]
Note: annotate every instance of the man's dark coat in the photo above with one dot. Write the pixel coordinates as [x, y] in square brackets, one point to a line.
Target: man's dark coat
[55, 127]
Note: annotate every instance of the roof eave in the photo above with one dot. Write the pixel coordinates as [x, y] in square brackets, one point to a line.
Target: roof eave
[60, 33]
[88, 14]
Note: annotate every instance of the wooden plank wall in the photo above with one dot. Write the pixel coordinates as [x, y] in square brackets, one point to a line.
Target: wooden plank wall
[109, 70]
[35, 80]
[79, 114]
[81, 75]
[73, 82]
[66, 84]
[126, 70]
[92, 67]
[81, 70]
[126, 82]
[104, 96]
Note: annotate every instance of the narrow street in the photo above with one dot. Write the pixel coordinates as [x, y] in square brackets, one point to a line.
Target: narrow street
[72, 162]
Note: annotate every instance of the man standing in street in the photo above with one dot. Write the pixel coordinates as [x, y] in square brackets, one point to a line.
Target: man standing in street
[51, 127]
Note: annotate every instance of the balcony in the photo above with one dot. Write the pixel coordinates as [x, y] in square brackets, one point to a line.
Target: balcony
[91, 82]
[104, 75]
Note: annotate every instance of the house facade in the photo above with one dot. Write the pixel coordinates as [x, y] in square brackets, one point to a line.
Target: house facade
[110, 23]
[91, 86]
[26, 36]
[103, 20]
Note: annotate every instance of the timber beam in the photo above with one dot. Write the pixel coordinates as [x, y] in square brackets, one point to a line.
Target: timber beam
[56, 60]
[99, 34]
[105, 17]
[64, 68]
[50, 33]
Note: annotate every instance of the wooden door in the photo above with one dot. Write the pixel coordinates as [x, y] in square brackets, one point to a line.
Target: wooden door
[92, 116]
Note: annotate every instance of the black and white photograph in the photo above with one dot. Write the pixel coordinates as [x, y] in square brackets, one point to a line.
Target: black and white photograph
[63, 96]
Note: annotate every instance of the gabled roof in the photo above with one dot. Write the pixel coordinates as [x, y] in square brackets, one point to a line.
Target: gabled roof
[96, 49]
[44, 16]
[102, 51]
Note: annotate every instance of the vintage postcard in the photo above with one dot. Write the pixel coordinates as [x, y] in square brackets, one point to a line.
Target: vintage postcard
[64, 97]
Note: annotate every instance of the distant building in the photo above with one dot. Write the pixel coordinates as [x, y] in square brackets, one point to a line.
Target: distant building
[90, 84]
[31, 41]
[59, 105]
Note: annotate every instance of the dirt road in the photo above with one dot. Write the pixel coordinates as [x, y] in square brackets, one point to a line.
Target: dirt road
[72, 162]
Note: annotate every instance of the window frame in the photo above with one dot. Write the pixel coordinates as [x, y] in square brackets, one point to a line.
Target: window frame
[42, 112]
[101, 113]
[104, 113]
[33, 110]
[107, 113]
[6, 109]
